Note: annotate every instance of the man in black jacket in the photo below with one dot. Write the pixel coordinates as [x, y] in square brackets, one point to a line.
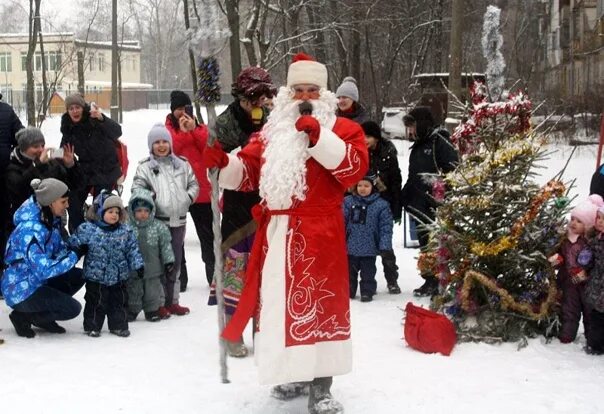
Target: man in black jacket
[597, 182]
[93, 137]
[431, 154]
[383, 160]
[9, 125]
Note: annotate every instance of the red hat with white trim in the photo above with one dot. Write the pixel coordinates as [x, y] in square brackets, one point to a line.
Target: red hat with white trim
[304, 69]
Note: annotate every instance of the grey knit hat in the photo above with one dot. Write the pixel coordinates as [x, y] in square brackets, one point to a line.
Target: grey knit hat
[348, 88]
[158, 132]
[75, 99]
[113, 201]
[28, 137]
[48, 190]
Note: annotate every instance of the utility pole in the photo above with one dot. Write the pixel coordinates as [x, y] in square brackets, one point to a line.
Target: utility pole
[114, 60]
[455, 51]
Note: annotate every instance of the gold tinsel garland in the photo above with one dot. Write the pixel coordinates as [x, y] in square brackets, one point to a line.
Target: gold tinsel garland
[507, 301]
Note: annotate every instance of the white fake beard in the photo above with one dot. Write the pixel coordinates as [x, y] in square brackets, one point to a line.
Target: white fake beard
[283, 174]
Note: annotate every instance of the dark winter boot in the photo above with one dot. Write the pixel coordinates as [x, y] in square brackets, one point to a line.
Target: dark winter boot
[22, 324]
[429, 288]
[394, 289]
[153, 316]
[51, 327]
[320, 400]
[291, 390]
[123, 333]
[132, 316]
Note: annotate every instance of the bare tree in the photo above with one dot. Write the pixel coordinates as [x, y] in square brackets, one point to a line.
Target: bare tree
[34, 29]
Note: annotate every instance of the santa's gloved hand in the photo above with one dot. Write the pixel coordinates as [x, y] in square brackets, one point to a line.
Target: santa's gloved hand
[140, 272]
[215, 157]
[168, 267]
[311, 126]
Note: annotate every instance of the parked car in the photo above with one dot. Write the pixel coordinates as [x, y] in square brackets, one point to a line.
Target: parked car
[392, 122]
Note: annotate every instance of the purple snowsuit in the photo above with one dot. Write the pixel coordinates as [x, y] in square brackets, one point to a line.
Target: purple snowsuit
[573, 304]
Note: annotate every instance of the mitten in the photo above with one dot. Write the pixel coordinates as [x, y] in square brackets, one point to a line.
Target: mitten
[556, 259]
[81, 250]
[140, 272]
[168, 267]
[311, 126]
[215, 157]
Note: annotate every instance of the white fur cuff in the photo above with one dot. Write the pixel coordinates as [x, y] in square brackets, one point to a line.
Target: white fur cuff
[230, 177]
[329, 150]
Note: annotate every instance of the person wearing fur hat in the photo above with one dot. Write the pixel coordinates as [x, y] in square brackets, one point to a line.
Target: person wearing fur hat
[112, 252]
[348, 101]
[301, 162]
[572, 274]
[189, 139]
[383, 160]
[40, 277]
[93, 137]
[172, 182]
[243, 118]
[369, 224]
[431, 154]
[29, 160]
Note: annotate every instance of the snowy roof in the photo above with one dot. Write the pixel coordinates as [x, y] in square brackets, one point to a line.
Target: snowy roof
[63, 34]
[125, 85]
[125, 45]
[446, 74]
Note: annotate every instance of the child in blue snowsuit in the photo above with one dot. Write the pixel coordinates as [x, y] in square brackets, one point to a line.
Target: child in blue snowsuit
[112, 253]
[369, 224]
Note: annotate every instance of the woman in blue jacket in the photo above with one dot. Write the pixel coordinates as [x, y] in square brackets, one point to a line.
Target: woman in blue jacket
[40, 278]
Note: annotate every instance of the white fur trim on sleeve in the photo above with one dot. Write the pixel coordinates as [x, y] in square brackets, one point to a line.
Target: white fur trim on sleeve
[329, 150]
[230, 177]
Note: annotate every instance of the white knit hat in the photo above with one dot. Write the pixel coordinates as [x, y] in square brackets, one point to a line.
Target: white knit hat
[305, 70]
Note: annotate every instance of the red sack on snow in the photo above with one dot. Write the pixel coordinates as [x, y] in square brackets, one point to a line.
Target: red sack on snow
[428, 331]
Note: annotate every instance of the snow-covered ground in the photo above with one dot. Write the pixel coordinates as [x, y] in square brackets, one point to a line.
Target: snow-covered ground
[172, 366]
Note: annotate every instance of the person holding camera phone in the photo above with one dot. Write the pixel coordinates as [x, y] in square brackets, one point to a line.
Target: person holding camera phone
[93, 137]
[189, 138]
[31, 159]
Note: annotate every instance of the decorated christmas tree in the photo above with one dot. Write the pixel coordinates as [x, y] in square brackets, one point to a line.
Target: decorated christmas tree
[495, 227]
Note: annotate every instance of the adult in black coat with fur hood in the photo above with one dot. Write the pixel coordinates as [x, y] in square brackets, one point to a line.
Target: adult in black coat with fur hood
[431, 153]
[94, 137]
[383, 161]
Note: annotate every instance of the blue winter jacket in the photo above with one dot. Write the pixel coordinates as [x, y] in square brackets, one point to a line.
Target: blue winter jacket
[111, 251]
[34, 253]
[368, 225]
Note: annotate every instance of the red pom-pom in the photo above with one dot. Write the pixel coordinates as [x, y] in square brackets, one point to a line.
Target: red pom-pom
[302, 56]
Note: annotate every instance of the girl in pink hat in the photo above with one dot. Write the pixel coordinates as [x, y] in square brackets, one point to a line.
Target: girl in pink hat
[572, 275]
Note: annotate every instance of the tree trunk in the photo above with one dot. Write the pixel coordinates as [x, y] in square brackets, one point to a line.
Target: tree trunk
[232, 11]
[43, 105]
[114, 62]
[34, 29]
[81, 72]
[455, 49]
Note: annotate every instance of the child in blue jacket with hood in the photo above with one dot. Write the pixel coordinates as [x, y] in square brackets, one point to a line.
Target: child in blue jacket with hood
[112, 253]
[369, 225]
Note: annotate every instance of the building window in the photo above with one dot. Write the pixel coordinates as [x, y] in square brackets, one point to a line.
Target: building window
[23, 61]
[54, 60]
[7, 91]
[91, 62]
[6, 62]
[101, 62]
